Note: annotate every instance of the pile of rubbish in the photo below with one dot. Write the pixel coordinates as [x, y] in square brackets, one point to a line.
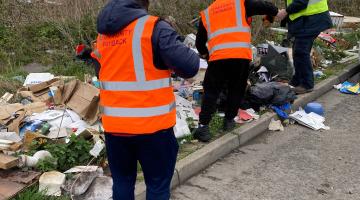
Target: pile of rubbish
[53, 127]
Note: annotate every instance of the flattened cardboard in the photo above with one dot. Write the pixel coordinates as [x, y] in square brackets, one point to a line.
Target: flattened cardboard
[24, 93]
[7, 110]
[13, 125]
[36, 107]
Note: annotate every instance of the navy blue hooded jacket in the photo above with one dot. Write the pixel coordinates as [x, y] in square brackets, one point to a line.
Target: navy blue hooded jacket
[168, 51]
[306, 26]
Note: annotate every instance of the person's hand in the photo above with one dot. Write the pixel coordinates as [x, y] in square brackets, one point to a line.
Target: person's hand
[281, 15]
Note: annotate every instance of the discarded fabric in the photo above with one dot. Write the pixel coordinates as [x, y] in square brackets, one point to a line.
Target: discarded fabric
[348, 88]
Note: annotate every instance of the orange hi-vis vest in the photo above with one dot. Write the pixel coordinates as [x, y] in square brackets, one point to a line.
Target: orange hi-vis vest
[228, 31]
[135, 97]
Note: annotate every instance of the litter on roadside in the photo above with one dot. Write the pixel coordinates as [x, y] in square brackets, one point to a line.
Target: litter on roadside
[245, 116]
[275, 125]
[319, 74]
[348, 88]
[36, 78]
[50, 183]
[8, 162]
[5, 98]
[310, 120]
[282, 111]
[83, 177]
[315, 108]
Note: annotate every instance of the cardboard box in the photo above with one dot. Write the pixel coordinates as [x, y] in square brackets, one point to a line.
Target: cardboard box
[38, 88]
[82, 98]
[41, 92]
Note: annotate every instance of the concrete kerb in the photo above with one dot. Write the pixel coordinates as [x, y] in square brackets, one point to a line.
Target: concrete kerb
[251, 130]
[205, 156]
[199, 160]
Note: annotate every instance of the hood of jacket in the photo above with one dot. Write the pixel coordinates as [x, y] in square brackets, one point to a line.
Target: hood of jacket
[117, 14]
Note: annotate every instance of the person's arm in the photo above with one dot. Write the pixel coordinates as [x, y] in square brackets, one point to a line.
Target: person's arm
[173, 54]
[201, 39]
[260, 7]
[297, 6]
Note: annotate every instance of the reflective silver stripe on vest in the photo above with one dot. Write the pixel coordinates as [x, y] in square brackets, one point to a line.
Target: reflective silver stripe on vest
[238, 28]
[207, 19]
[313, 1]
[230, 45]
[136, 49]
[138, 112]
[135, 86]
[238, 13]
[230, 30]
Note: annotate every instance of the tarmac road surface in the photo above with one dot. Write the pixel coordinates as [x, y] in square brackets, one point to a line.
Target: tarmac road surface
[297, 164]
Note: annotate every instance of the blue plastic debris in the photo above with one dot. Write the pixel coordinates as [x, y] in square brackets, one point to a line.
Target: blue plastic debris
[281, 110]
[315, 108]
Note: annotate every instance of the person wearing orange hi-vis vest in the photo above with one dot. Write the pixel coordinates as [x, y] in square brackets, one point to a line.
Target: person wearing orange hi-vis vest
[224, 38]
[137, 53]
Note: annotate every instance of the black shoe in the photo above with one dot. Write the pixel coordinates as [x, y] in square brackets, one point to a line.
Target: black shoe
[228, 125]
[301, 90]
[202, 134]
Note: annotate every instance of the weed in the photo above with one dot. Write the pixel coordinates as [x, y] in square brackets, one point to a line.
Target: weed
[33, 193]
[67, 155]
[216, 124]
[47, 164]
[333, 54]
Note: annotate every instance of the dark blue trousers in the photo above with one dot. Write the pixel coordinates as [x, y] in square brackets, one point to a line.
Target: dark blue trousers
[304, 75]
[157, 156]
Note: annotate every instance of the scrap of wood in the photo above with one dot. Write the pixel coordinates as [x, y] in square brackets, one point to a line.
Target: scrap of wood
[7, 162]
[6, 98]
[24, 177]
[9, 189]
